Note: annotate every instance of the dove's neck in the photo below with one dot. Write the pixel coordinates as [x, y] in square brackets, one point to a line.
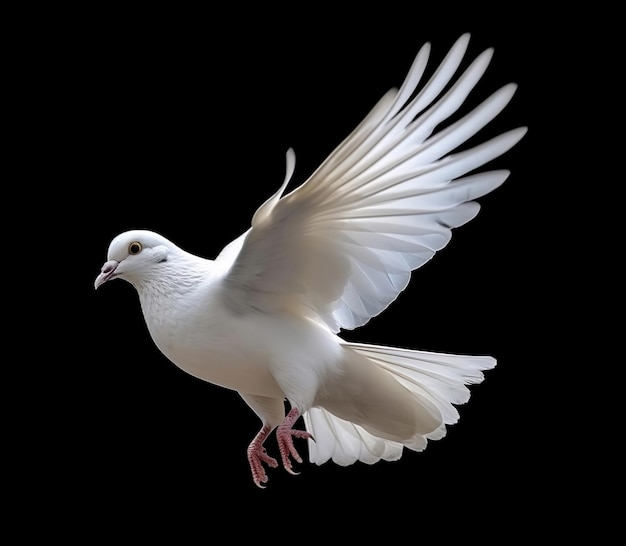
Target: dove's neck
[172, 283]
[174, 302]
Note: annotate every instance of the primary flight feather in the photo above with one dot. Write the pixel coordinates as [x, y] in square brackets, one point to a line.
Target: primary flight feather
[263, 318]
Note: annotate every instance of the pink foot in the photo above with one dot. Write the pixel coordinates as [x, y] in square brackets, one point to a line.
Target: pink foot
[285, 434]
[257, 455]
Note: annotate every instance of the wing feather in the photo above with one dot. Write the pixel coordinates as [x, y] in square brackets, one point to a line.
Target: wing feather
[342, 245]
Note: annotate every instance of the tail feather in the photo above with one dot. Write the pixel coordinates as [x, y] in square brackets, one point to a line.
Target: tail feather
[441, 376]
[436, 380]
[344, 442]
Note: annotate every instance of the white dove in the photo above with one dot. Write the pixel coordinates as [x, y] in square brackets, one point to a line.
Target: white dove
[263, 318]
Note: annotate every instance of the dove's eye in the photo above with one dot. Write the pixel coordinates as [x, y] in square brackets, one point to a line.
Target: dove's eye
[134, 248]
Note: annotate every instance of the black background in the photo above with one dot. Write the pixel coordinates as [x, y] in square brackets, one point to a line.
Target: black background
[178, 123]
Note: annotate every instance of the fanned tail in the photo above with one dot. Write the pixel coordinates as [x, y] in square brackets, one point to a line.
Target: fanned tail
[437, 381]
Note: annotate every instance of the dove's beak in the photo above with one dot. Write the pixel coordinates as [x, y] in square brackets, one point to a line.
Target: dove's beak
[107, 273]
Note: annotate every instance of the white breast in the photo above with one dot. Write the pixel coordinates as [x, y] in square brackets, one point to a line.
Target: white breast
[268, 355]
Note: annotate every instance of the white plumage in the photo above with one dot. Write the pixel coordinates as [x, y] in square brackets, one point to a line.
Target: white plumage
[263, 317]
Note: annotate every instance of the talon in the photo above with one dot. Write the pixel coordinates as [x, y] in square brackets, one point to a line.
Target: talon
[257, 455]
[285, 435]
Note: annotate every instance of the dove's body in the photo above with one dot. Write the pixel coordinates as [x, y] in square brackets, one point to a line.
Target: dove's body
[222, 346]
[205, 340]
[263, 317]
[268, 358]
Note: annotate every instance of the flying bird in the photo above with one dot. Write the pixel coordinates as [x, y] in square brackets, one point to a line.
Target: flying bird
[263, 318]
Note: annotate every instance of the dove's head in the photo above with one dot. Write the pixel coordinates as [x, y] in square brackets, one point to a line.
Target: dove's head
[135, 256]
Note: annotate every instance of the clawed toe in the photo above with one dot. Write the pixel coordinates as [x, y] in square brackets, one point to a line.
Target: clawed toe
[257, 455]
[285, 435]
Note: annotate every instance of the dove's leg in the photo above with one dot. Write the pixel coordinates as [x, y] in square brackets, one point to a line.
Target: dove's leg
[272, 412]
[285, 434]
[257, 456]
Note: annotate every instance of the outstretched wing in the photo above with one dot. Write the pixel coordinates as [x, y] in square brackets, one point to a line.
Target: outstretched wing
[342, 245]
